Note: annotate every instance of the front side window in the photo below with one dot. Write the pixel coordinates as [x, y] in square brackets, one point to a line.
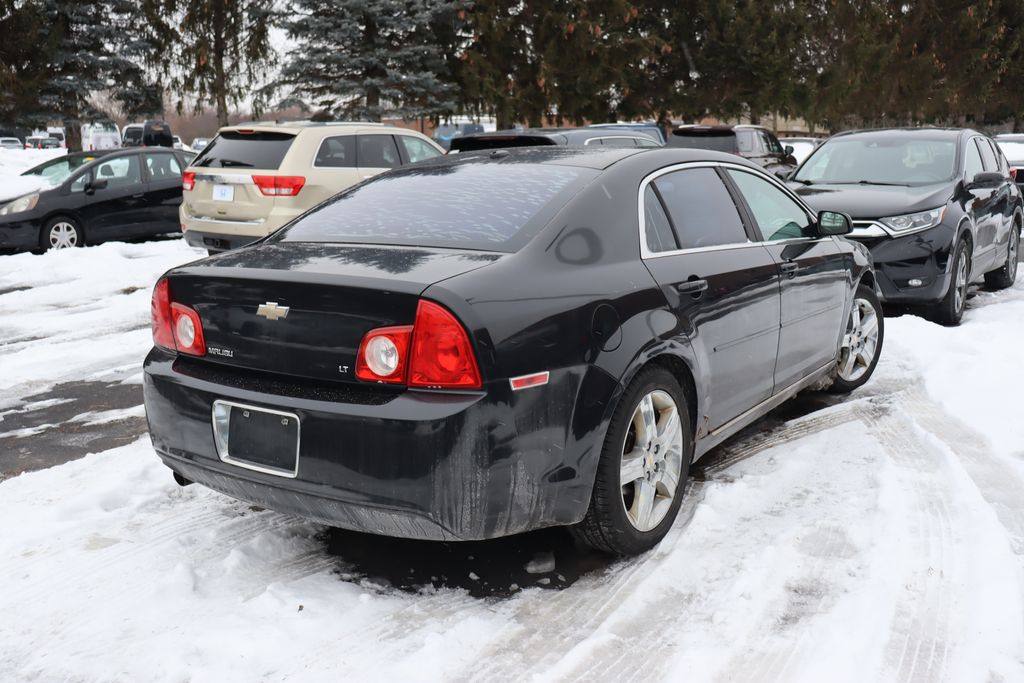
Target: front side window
[701, 208]
[778, 216]
[972, 162]
[988, 158]
[337, 152]
[416, 149]
[119, 172]
[771, 143]
[162, 166]
[377, 151]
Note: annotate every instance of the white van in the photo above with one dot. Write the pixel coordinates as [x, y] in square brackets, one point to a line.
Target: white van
[96, 136]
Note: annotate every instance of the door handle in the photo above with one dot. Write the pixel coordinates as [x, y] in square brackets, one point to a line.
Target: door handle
[789, 268]
[139, 195]
[693, 286]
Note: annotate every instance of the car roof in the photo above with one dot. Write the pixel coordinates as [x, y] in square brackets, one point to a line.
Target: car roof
[295, 127]
[928, 132]
[571, 135]
[717, 128]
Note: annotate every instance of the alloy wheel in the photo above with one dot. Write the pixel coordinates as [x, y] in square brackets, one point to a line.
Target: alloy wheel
[652, 459]
[960, 291]
[1011, 263]
[860, 343]
[63, 235]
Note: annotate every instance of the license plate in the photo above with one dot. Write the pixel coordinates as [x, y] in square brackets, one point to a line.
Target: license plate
[223, 193]
[256, 438]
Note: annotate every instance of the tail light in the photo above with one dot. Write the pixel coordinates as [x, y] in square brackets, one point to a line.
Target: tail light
[176, 327]
[279, 185]
[188, 180]
[1013, 172]
[434, 352]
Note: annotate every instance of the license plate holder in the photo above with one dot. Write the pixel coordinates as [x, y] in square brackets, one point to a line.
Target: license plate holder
[260, 439]
[223, 193]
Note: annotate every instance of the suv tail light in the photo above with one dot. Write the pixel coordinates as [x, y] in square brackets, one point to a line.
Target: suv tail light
[188, 180]
[434, 352]
[279, 185]
[176, 327]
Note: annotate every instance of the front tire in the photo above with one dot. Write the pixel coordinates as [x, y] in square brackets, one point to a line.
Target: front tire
[644, 464]
[950, 310]
[61, 233]
[1005, 276]
[862, 342]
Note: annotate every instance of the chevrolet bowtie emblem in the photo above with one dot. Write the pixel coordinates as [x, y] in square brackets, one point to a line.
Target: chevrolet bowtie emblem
[271, 311]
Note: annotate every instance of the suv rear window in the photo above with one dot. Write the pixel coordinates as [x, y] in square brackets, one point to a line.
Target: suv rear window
[469, 144]
[489, 206]
[262, 150]
[718, 142]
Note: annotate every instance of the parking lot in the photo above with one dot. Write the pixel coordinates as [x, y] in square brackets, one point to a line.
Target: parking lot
[873, 537]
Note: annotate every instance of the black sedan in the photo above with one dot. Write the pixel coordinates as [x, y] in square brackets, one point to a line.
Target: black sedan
[937, 207]
[96, 196]
[553, 347]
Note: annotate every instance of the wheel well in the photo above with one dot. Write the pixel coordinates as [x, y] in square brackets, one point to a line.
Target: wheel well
[868, 278]
[681, 370]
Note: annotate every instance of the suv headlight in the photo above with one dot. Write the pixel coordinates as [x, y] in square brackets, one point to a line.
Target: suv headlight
[915, 221]
[26, 203]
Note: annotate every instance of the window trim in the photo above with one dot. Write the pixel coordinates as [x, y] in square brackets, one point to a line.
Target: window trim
[646, 253]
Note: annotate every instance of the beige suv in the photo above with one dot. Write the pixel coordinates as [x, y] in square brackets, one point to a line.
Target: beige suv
[252, 179]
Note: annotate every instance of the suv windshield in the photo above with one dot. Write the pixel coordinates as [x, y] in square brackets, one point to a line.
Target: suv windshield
[880, 160]
[231, 149]
[494, 207]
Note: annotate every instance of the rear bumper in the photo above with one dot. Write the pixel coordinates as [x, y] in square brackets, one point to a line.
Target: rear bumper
[216, 241]
[410, 464]
[209, 233]
[922, 256]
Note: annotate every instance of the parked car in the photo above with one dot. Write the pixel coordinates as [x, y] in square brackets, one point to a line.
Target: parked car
[649, 128]
[552, 347]
[199, 143]
[147, 134]
[755, 143]
[41, 142]
[799, 148]
[937, 207]
[177, 143]
[1012, 147]
[94, 197]
[252, 179]
[444, 133]
[97, 136]
[11, 143]
[58, 135]
[542, 137]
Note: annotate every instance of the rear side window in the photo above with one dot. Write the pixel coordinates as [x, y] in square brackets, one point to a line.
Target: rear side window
[496, 207]
[701, 208]
[719, 142]
[262, 150]
[377, 151]
[416, 149]
[337, 152]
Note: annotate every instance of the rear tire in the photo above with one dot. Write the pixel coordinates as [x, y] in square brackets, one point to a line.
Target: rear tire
[1005, 276]
[950, 310]
[645, 461]
[61, 233]
[862, 342]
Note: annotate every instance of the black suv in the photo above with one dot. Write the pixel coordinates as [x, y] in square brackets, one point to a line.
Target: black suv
[543, 137]
[937, 207]
[750, 142]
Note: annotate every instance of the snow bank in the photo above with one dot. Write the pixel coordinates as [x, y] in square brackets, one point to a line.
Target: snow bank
[14, 161]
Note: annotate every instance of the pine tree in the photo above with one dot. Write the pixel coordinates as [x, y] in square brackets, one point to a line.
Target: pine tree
[360, 59]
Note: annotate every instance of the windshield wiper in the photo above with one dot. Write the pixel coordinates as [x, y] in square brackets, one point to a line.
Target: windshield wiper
[803, 182]
[872, 182]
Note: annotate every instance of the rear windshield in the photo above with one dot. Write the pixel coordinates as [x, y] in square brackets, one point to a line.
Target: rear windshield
[261, 150]
[719, 142]
[488, 206]
[499, 141]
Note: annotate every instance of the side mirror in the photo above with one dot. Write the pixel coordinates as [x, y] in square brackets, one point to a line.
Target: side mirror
[834, 223]
[986, 179]
[788, 149]
[99, 184]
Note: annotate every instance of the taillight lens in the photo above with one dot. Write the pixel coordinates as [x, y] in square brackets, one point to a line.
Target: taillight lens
[176, 327]
[188, 180]
[161, 309]
[434, 352]
[188, 330]
[441, 356]
[279, 185]
[383, 355]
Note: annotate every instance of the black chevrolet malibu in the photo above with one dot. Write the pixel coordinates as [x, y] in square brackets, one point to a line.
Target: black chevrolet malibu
[938, 208]
[553, 343]
[96, 196]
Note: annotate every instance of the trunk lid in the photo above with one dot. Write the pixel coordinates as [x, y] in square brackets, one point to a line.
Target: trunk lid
[301, 309]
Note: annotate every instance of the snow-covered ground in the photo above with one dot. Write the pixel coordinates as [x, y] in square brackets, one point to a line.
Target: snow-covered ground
[878, 539]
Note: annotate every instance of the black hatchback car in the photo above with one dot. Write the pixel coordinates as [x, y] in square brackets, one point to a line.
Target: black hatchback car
[554, 348]
[755, 143]
[96, 196]
[937, 207]
[545, 137]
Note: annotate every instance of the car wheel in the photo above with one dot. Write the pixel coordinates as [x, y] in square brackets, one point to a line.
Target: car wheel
[61, 233]
[645, 461]
[950, 310]
[1005, 276]
[862, 342]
